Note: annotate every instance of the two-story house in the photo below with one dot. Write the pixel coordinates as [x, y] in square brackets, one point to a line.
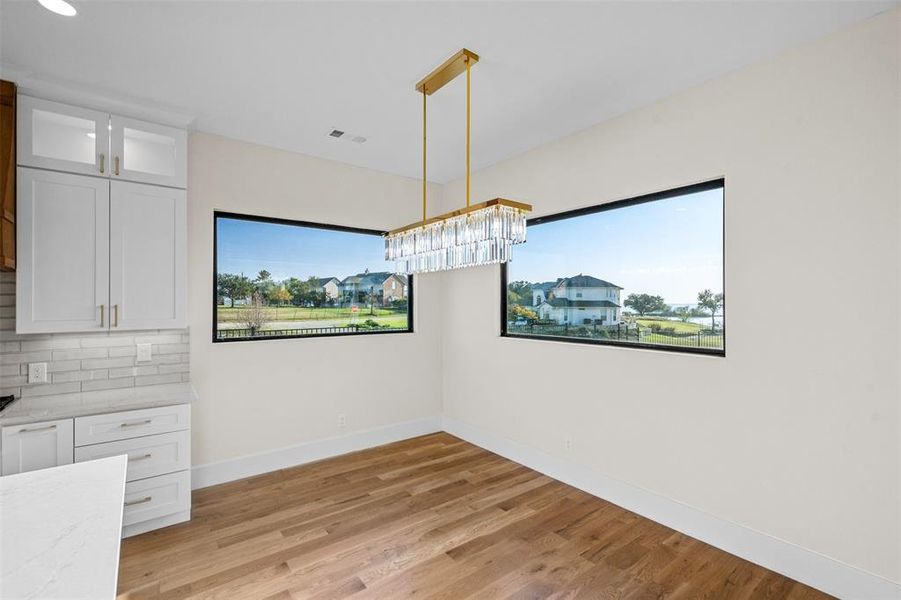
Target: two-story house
[578, 300]
[330, 285]
[383, 286]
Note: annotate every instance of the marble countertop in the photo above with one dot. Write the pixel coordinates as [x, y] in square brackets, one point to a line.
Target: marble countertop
[60, 530]
[63, 406]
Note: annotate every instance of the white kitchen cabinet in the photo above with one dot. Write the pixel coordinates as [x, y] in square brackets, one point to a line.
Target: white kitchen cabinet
[62, 279]
[148, 256]
[37, 446]
[148, 153]
[97, 255]
[66, 138]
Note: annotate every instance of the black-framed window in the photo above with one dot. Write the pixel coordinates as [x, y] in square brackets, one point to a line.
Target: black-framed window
[277, 278]
[645, 272]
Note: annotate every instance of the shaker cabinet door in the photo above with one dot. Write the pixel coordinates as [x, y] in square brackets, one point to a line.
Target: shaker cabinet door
[148, 257]
[62, 280]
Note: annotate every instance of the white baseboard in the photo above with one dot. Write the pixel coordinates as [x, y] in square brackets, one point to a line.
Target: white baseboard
[255, 464]
[806, 566]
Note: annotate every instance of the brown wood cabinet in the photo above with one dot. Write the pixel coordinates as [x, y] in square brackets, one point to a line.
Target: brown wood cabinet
[7, 176]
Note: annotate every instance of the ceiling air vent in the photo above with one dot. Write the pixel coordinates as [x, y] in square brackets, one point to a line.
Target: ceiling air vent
[336, 133]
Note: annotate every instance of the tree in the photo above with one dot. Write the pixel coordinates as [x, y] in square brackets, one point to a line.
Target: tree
[295, 287]
[683, 312]
[712, 302]
[521, 312]
[254, 317]
[279, 296]
[645, 303]
[234, 287]
[519, 292]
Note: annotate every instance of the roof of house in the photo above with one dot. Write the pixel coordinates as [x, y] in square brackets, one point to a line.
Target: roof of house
[584, 281]
[366, 279]
[545, 286]
[324, 280]
[566, 302]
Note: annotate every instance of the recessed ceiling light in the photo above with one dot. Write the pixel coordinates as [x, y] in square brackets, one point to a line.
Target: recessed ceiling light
[60, 7]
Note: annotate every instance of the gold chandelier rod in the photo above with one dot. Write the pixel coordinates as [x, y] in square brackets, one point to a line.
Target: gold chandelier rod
[430, 84]
[423, 157]
[468, 67]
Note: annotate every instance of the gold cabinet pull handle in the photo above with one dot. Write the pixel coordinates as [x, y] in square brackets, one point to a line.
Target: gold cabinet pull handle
[136, 423]
[115, 315]
[141, 501]
[102, 307]
[137, 458]
[116, 165]
[102, 162]
[45, 428]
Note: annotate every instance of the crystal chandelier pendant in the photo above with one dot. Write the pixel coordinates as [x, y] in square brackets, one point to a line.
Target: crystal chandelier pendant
[481, 235]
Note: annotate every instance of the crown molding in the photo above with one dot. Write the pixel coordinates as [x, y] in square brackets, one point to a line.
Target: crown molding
[31, 84]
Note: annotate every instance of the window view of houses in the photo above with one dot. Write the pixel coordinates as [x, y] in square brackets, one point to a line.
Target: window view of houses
[278, 280]
[645, 274]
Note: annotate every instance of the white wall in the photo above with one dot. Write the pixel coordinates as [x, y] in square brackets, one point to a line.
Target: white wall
[262, 396]
[795, 433]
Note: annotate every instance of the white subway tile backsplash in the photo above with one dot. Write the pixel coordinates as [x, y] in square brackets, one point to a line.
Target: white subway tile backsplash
[80, 375]
[171, 349]
[158, 379]
[123, 351]
[107, 363]
[107, 384]
[81, 362]
[172, 338]
[60, 343]
[132, 371]
[79, 353]
[60, 365]
[25, 357]
[106, 341]
[46, 389]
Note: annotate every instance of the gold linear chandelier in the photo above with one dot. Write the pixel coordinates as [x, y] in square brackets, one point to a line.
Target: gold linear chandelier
[478, 234]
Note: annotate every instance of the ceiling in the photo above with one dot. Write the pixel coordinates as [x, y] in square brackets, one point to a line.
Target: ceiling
[285, 73]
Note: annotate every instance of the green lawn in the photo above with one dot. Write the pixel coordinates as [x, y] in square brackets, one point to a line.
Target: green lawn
[679, 326]
[300, 313]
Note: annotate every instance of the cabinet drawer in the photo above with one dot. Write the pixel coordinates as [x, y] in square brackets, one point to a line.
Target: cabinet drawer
[148, 456]
[97, 429]
[157, 497]
[35, 446]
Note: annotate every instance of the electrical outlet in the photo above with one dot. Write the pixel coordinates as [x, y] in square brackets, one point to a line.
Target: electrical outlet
[37, 372]
[568, 444]
[144, 353]
[342, 420]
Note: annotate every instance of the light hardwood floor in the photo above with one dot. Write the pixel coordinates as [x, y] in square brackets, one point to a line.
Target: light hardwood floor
[431, 517]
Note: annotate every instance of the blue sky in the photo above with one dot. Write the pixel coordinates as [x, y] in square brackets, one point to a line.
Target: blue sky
[291, 251]
[671, 248]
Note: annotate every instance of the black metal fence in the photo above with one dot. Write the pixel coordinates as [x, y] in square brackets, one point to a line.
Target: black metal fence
[246, 333]
[623, 333]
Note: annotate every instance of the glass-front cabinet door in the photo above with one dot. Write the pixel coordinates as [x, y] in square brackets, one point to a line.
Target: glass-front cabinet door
[147, 152]
[62, 138]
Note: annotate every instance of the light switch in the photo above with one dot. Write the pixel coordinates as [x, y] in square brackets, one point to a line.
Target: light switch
[144, 354]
